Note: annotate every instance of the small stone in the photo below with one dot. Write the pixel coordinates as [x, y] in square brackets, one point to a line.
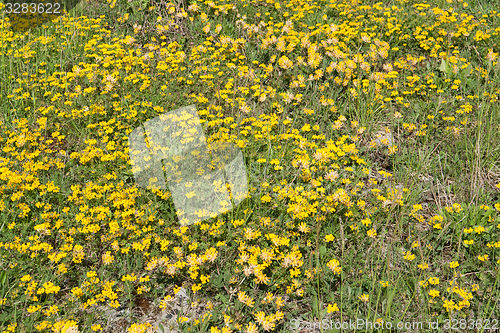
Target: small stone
[383, 138]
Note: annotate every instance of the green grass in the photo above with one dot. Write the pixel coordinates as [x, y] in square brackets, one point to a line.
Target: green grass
[342, 228]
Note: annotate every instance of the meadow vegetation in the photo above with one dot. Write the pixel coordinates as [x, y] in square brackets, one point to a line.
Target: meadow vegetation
[371, 138]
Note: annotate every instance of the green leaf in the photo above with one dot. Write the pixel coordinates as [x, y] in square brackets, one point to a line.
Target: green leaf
[222, 298]
[161, 327]
[3, 277]
[322, 250]
[333, 330]
[488, 212]
[357, 291]
[218, 281]
[411, 285]
[468, 70]
[443, 66]
[315, 306]
[4, 317]
[449, 69]
[390, 298]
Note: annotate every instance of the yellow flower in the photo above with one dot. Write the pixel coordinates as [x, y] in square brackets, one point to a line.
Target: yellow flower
[265, 198]
[205, 278]
[372, 233]
[483, 257]
[50, 288]
[96, 327]
[139, 328]
[251, 328]
[285, 63]
[33, 308]
[434, 293]
[457, 207]
[107, 258]
[409, 256]
[303, 227]
[306, 128]
[332, 308]
[334, 265]
[423, 266]
[66, 326]
[195, 288]
[129, 277]
[433, 280]
[364, 298]
[91, 274]
[77, 291]
[245, 299]
[366, 221]
[26, 278]
[206, 28]
[329, 238]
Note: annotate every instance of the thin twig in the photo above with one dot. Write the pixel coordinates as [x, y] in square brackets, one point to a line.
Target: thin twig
[342, 235]
[442, 176]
